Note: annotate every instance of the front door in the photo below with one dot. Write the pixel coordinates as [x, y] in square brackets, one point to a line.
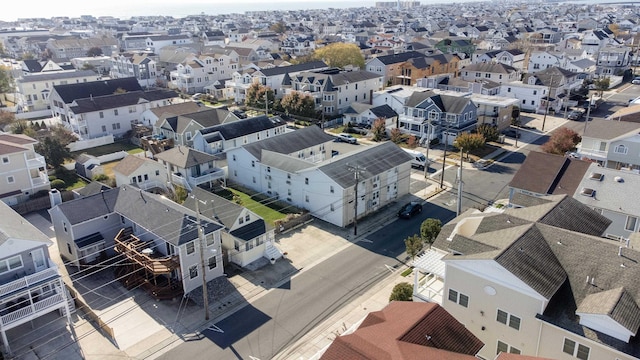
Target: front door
[39, 261]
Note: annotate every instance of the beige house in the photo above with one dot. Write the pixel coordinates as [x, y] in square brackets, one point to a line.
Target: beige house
[141, 172]
[538, 281]
[22, 170]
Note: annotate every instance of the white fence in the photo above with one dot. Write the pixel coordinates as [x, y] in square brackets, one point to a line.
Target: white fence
[90, 143]
[112, 157]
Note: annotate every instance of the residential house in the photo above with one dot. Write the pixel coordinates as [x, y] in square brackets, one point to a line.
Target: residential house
[99, 64]
[151, 116]
[298, 45]
[388, 66]
[541, 60]
[609, 192]
[23, 172]
[188, 168]
[334, 90]
[33, 67]
[67, 49]
[34, 90]
[594, 40]
[496, 72]
[398, 332]
[302, 168]
[63, 96]
[142, 66]
[538, 281]
[360, 114]
[494, 110]
[182, 128]
[114, 114]
[31, 285]
[416, 68]
[223, 137]
[141, 172]
[613, 60]
[245, 236]
[428, 115]
[456, 45]
[156, 42]
[195, 74]
[544, 174]
[277, 77]
[512, 57]
[528, 94]
[612, 144]
[395, 96]
[153, 236]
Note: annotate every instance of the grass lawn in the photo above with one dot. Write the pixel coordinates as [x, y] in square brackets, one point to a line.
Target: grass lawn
[110, 148]
[268, 214]
[70, 178]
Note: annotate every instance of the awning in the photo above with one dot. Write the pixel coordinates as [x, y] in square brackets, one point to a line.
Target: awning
[431, 262]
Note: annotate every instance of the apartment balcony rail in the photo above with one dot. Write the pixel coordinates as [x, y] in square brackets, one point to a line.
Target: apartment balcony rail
[36, 162]
[32, 310]
[27, 281]
[41, 179]
[592, 154]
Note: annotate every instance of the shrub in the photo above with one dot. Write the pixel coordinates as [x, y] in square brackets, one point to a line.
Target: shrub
[402, 292]
[100, 177]
[58, 184]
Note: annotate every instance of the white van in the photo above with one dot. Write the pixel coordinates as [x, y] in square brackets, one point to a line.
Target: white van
[419, 161]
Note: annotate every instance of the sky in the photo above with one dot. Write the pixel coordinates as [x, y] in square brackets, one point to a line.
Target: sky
[176, 8]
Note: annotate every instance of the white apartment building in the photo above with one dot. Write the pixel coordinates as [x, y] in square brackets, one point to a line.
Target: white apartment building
[23, 172]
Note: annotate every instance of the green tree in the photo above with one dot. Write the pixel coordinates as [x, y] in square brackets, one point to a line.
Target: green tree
[429, 230]
[402, 292]
[561, 141]
[6, 81]
[53, 151]
[256, 96]
[340, 55]
[379, 130]
[279, 28]
[63, 135]
[488, 131]
[467, 142]
[413, 245]
[602, 84]
[94, 51]
[298, 104]
[23, 127]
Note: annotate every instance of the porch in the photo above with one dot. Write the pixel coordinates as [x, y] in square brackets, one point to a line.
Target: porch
[428, 276]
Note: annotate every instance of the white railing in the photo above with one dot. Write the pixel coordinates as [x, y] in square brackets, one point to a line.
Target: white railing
[36, 162]
[592, 153]
[44, 304]
[28, 280]
[181, 181]
[211, 176]
[42, 179]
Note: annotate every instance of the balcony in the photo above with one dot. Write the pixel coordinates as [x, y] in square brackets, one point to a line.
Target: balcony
[144, 254]
[29, 280]
[32, 310]
[592, 154]
[37, 162]
[41, 180]
[192, 181]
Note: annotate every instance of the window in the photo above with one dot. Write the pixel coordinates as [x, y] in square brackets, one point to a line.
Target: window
[247, 217]
[535, 92]
[233, 157]
[104, 128]
[5, 160]
[191, 247]
[508, 319]
[580, 351]
[306, 198]
[10, 264]
[193, 271]
[115, 126]
[508, 89]
[115, 112]
[10, 179]
[506, 348]
[157, 172]
[331, 189]
[240, 220]
[306, 181]
[458, 298]
[212, 263]
[253, 164]
[188, 135]
[101, 115]
[630, 225]
[620, 149]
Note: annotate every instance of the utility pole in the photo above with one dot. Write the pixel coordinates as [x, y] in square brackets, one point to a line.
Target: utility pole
[266, 103]
[205, 295]
[586, 120]
[322, 106]
[544, 119]
[356, 169]
[444, 157]
[426, 166]
[459, 202]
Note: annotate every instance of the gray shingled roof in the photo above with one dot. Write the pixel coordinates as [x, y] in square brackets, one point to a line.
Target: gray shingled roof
[610, 129]
[239, 128]
[279, 70]
[56, 76]
[374, 159]
[14, 226]
[290, 142]
[547, 174]
[185, 157]
[111, 101]
[71, 92]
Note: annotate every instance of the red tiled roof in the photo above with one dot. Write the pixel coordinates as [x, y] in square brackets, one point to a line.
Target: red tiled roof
[407, 330]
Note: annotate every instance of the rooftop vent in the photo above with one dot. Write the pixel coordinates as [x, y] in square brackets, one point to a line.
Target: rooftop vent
[587, 192]
[596, 176]
[618, 179]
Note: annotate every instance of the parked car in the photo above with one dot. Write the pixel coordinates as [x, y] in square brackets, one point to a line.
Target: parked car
[348, 138]
[575, 115]
[410, 209]
[636, 80]
[512, 133]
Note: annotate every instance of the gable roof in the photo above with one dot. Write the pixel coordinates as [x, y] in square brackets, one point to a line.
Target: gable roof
[186, 107]
[548, 174]
[406, 330]
[111, 101]
[57, 76]
[14, 226]
[236, 129]
[399, 58]
[610, 129]
[279, 70]
[185, 157]
[290, 142]
[70, 92]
